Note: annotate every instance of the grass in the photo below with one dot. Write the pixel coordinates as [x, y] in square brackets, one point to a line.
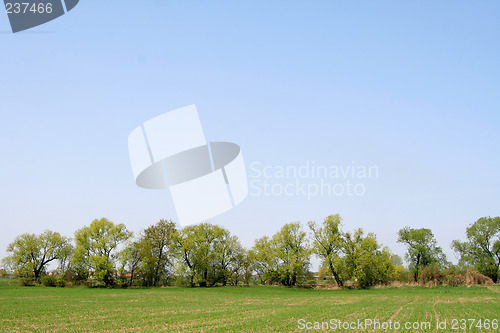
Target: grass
[233, 309]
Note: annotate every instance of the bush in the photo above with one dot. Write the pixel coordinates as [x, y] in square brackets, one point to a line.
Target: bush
[472, 276]
[27, 281]
[431, 276]
[401, 274]
[49, 281]
[94, 284]
[121, 283]
[452, 276]
[76, 277]
[180, 280]
[53, 281]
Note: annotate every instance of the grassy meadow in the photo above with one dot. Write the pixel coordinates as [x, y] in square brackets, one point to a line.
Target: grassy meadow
[239, 309]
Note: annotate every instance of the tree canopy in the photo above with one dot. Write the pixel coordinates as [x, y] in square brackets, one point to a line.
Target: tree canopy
[365, 260]
[422, 249]
[156, 251]
[285, 256]
[481, 250]
[205, 254]
[96, 248]
[208, 253]
[328, 242]
[32, 253]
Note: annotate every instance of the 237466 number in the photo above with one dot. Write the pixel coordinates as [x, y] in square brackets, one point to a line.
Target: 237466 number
[463, 324]
[25, 7]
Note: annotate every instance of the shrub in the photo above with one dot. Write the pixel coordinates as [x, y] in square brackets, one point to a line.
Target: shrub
[472, 276]
[76, 276]
[121, 283]
[403, 275]
[94, 284]
[49, 281]
[27, 281]
[431, 276]
[452, 276]
[53, 280]
[60, 281]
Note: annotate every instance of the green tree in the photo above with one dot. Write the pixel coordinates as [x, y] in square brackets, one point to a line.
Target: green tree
[365, 260]
[207, 252]
[265, 261]
[229, 257]
[323, 273]
[285, 256]
[96, 248]
[32, 253]
[293, 252]
[422, 249]
[188, 252]
[482, 248]
[396, 260]
[328, 243]
[130, 259]
[156, 251]
[242, 266]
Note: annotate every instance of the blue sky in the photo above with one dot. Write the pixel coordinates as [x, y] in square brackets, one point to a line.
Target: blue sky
[411, 87]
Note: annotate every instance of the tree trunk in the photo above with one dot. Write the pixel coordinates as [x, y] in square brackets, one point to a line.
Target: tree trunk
[335, 275]
[131, 277]
[416, 268]
[205, 278]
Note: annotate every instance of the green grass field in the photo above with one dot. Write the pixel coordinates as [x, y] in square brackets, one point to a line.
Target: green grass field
[233, 309]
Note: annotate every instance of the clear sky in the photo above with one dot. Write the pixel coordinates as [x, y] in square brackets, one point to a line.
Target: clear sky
[411, 87]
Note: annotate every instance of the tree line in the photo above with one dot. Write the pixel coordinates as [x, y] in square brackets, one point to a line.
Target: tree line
[108, 254]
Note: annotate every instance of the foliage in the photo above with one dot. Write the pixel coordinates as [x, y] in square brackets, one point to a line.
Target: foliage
[32, 253]
[402, 274]
[328, 244]
[264, 260]
[435, 275]
[396, 260]
[96, 248]
[352, 256]
[242, 266]
[365, 261]
[285, 256]
[323, 273]
[482, 248]
[130, 261]
[53, 281]
[422, 249]
[153, 253]
[208, 254]
[27, 281]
